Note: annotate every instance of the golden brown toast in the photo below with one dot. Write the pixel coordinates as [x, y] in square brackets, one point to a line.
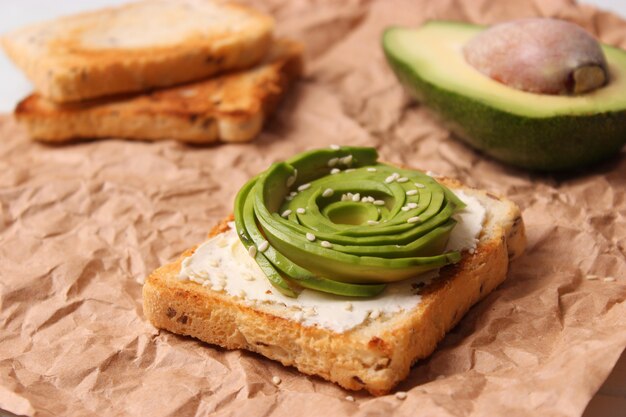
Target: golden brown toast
[374, 356]
[230, 108]
[138, 46]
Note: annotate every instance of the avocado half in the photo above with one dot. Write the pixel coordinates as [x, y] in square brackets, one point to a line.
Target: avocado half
[535, 131]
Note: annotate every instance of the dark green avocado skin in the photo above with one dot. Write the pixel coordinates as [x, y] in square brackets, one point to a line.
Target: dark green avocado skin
[556, 143]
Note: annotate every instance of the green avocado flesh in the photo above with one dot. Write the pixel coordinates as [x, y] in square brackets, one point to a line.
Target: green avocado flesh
[338, 221]
[535, 131]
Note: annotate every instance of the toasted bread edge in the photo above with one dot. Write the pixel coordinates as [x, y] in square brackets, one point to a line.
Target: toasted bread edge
[148, 120]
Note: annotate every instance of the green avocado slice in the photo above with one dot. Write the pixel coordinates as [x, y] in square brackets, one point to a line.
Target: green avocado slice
[428, 204]
[271, 260]
[323, 235]
[250, 236]
[535, 131]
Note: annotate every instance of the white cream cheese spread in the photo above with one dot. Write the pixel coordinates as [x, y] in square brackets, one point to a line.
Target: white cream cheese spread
[223, 264]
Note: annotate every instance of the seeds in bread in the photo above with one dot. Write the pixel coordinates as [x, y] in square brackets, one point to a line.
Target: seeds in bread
[138, 46]
[230, 108]
[374, 356]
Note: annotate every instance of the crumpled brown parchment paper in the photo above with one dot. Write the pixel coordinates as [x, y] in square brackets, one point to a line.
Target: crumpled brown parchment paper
[82, 225]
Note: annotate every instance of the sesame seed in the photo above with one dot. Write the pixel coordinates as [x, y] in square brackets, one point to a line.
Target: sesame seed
[310, 311]
[276, 380]
[372, 222]
[608, 279]
[326, 244]
[349, 398]
[412, 205]
[252, 251]
[432, 174]
[335, 171]
[414, 219]
[375, 314]
[293, 193]
[311, 237]
[300, 210]
[263, 246]
[364, 200]
[370, 199]
[371, 169]
[379, 202]
[213, 263]
[304, 186]
[335, 147]
[405, 208]
[328, 192]
[390, 179]
[289, 198]
[356, 197]
[291, 180]
[401, 395]
[346, 160]
[402, 179]
[348, 306]
[419, 185]
[286, 213]
[591, 277]
[241, 294]
[349, 170]
[222, 243]
[217, 287]
[248, 277]
[298, 316]
[346, 197]
[411, 192]
[332, 162]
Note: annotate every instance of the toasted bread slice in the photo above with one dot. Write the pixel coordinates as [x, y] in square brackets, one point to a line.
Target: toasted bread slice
[231, 107]
[138, 46]
[375, 355]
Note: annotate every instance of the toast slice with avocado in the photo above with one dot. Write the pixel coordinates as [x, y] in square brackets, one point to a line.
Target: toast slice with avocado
[138, 46]
[358, 343]
[542, 132]
[230, 107]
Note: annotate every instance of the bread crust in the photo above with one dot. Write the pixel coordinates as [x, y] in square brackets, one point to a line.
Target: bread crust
[92, 54]
[374, 356]
[230, 108]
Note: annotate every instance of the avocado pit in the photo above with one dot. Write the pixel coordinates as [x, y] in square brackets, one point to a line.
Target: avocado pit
[539, 55]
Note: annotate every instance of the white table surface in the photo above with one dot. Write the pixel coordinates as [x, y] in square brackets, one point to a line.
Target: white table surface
[610, 401]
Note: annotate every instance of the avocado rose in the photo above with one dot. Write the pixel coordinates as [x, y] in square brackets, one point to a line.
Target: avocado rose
[335, 220]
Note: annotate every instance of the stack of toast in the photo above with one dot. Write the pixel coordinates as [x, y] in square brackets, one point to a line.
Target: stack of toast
[197, 71]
